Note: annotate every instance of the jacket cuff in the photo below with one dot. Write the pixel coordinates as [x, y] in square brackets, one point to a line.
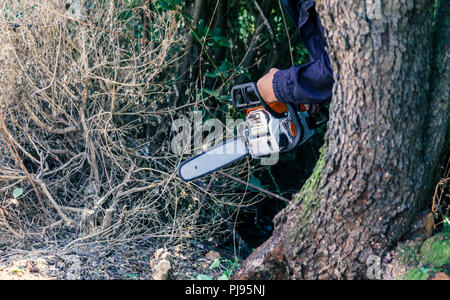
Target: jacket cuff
[281, 86]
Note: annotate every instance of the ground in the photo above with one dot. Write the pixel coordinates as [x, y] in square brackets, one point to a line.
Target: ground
[424, 255]
[411, 260]
[102, 261]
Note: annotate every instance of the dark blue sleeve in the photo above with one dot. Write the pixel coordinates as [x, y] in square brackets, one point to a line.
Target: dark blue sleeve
[311, 83]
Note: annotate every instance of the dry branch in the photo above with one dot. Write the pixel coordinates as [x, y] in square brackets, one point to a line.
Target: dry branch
[86, 113]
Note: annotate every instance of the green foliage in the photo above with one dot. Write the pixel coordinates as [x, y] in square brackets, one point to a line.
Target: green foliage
[417, 274]
[255, 181]
[447, 225]
[222, 266]
[234, 38]
[437, 4]
[409, 253]
[309, 189]
[133, 3]
[246, 22]
[226, 69]
[213, 37]
[433, 255]
[223, 277]
[169, 4]
[308, 195]
[215, 264]
[13, 15]
[204, 277]
[17, 193]
[435, 251]
[230, 267]
[132, 276]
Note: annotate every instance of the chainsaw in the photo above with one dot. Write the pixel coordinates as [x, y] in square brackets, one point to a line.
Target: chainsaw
[268, 129]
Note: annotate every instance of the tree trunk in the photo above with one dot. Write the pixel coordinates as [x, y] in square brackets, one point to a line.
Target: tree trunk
[388, 120]
[189, 56]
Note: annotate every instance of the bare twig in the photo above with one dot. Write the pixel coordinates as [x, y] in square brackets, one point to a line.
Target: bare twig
[5, 214]
[266, 22]
[46, 127]
[200, 204]
[287, 32]
[53, 203]
[254, 187]
[5, 130]
[77, 97]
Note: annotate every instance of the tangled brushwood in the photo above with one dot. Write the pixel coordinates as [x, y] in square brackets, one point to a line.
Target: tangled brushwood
[85, 112]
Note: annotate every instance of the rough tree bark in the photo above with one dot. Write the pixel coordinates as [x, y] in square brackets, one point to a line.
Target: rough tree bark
[388, 120]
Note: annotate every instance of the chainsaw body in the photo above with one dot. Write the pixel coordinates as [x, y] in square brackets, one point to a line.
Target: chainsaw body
[270, 128]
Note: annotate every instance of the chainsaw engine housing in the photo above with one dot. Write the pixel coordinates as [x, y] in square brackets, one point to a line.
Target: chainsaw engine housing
[265, 134]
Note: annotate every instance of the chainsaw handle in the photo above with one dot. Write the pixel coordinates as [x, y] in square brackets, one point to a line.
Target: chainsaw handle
[248, 90]
[298, 126]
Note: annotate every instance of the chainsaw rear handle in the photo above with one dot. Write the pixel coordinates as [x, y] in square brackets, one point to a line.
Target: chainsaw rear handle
[298, 126]
[252, 97]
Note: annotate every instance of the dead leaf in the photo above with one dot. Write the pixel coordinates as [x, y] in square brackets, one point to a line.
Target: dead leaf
[12, 201]
[429, 224]
[212, 255]
[441, 276]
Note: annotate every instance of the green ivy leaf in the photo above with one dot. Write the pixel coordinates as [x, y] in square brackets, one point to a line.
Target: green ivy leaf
[225, 66]
[212, 75]
[187, 16]
[17, 193]
[447, 224]
[203, 277]
[244, 72]
[169, 4]
[225, 98]
[202, 29]
[223, 277]
[213, 93]
[255, 181]
[215, 264]
[221, 41]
